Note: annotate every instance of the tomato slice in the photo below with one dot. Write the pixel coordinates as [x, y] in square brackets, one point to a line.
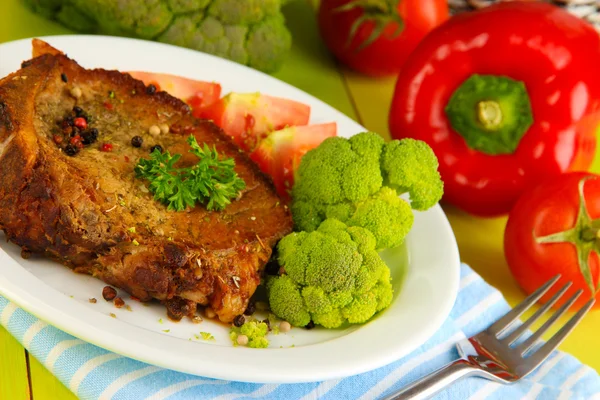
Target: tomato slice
[195, 93]
[249, 117]
[280, 153]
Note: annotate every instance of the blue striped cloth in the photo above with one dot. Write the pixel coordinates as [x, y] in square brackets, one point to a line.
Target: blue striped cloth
[93, 373]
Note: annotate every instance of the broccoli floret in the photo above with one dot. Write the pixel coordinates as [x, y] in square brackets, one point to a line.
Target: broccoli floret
[410, 165]
[250, 32]
[255, 331]
[358, 181]
[332, 276]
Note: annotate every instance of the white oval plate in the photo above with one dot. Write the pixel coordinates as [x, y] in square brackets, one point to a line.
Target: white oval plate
[425, 271]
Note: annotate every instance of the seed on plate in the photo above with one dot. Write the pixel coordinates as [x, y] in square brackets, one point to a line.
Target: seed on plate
[242, 340]
[93, 300]
[109, 293]
[197, 319]
[25, 254]
[250, 309]
[154, 130]
[137, 141]
[76, 92]
[119, 303]
[239, 320]
[164, 128]
[284, 326]
[210, 314]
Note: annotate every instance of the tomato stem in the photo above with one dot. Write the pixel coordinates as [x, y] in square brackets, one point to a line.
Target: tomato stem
[380, 13]
[589, 234]
[584, 236]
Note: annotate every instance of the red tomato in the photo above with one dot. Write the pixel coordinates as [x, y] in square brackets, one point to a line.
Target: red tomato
[195, 93]
[376, 39]
[555, 228]
[279, 154]
[249, 117]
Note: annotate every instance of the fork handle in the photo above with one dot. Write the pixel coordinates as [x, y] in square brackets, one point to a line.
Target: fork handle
[430, 384]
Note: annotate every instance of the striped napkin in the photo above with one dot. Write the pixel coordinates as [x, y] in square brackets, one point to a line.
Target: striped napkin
[94, 373]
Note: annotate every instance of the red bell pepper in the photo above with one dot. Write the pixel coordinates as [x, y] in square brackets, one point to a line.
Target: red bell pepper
[506, 96]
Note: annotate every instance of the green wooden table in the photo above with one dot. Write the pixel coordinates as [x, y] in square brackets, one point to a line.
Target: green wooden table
[366, 100]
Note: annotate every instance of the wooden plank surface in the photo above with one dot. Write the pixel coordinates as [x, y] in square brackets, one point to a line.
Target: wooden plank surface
[13, 368]
[44, 385]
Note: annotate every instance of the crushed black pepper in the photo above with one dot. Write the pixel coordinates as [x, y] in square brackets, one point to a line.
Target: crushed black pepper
[137, 141]
[151, 89]
[156, 147]
[64, 78]
[76, 131]
[250, 309]
[239, 320]
[71, 150]
[78, 111]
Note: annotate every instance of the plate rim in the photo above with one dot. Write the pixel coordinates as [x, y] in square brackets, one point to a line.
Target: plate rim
[111, 341]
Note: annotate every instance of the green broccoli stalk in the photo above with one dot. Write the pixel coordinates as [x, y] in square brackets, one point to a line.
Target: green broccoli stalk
[358, 181]
[333, 276]
[250, 32]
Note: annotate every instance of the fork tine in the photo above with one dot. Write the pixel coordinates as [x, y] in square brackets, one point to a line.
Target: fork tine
[527, 344]
[516, 334]
[498, 327]
[543, 352]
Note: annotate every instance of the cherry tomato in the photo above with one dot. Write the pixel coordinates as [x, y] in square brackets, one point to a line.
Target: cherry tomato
[555, 228]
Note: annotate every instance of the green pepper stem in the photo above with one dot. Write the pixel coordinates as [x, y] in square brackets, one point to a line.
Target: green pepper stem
[489, 114]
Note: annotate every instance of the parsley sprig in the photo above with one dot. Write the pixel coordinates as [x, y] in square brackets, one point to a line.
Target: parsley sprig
[212, 181]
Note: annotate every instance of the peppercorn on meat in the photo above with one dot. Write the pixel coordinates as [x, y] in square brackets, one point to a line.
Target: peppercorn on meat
[69, 141]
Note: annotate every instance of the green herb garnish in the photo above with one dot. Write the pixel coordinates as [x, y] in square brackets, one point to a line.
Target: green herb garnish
[212, 181]
[207, 336]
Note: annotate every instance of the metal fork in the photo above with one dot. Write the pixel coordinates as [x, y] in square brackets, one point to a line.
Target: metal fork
[496, 354]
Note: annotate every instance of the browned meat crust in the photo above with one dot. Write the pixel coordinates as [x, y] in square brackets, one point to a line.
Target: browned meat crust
[80, 210]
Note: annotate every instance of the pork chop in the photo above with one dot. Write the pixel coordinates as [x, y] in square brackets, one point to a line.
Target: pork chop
[83, 206]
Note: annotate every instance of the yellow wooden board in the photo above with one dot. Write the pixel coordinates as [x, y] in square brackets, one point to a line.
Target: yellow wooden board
[13, 368]
[44, 385]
